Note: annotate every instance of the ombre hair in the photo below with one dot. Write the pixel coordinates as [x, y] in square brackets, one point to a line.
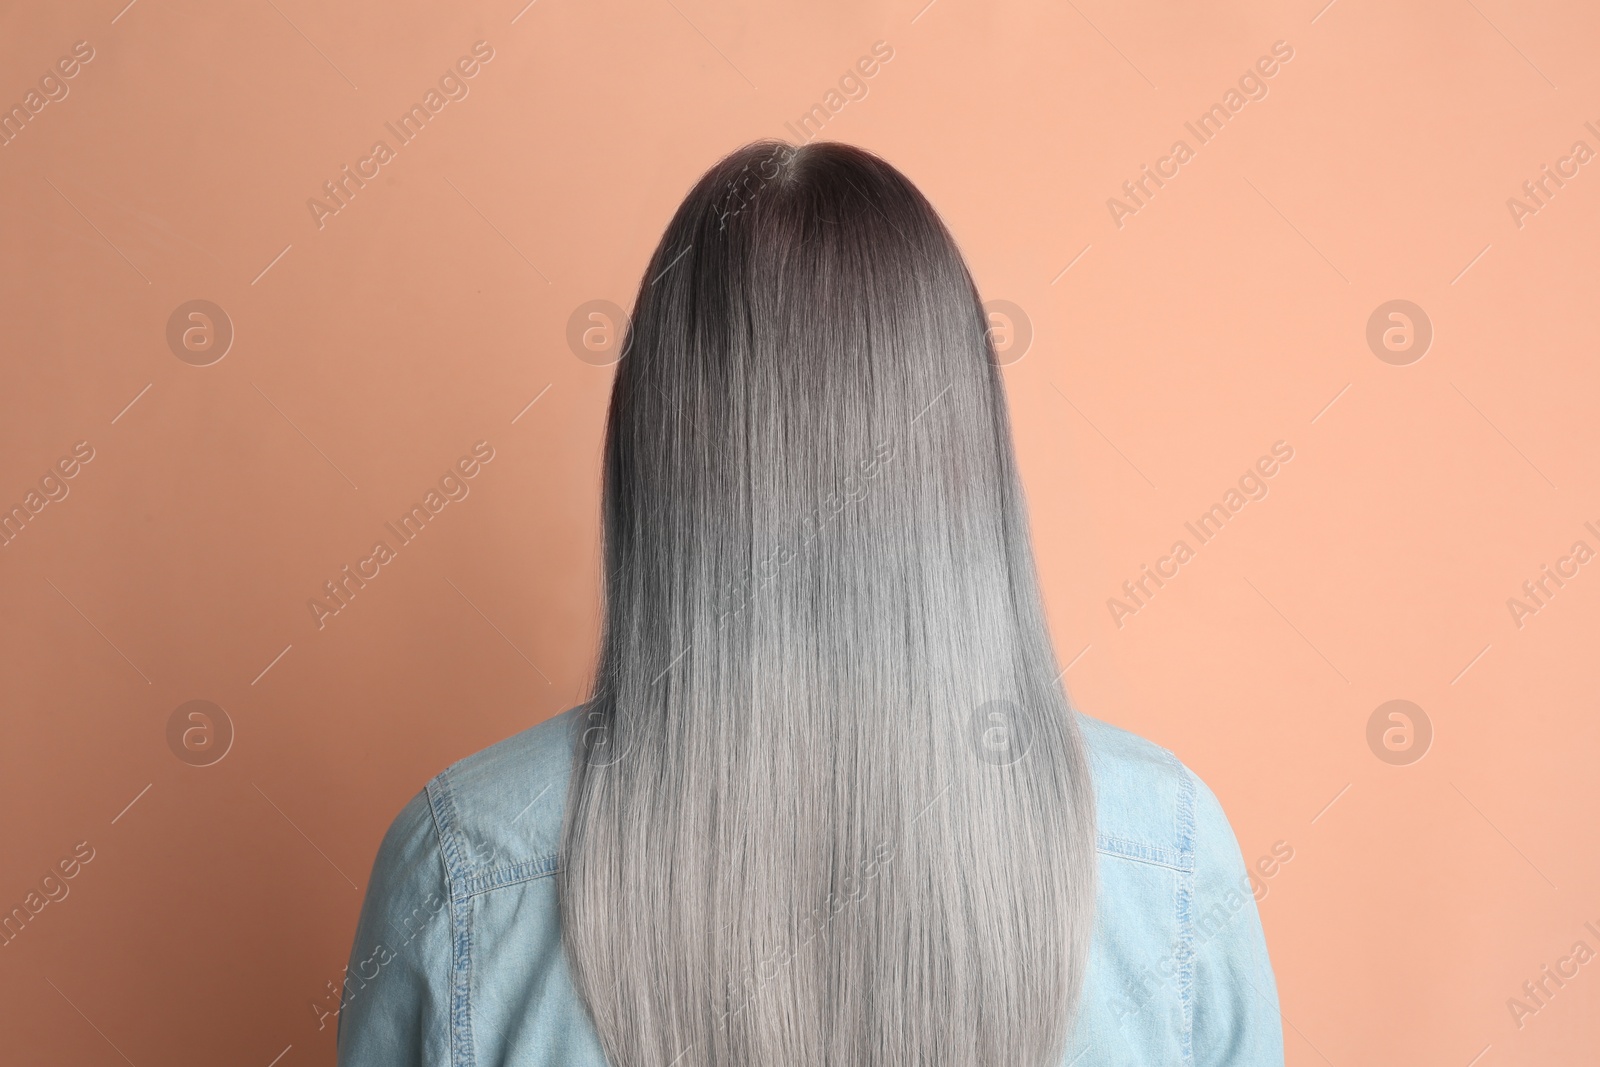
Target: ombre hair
[830, 804]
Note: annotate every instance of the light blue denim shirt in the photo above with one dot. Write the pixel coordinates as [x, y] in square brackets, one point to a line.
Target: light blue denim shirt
[458, 961]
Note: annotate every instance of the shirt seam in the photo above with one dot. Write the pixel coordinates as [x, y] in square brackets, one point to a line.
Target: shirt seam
[1125, 848]
[442, 803]
[545, 864]
[548, 864]
[1184, 894]
[531, 870]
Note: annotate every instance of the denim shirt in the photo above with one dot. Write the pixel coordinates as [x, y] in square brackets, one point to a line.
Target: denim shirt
[458, 959]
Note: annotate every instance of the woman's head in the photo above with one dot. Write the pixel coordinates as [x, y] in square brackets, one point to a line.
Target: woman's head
[830, 804]
[807, 364]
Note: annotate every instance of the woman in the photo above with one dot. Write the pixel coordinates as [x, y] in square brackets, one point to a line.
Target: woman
[827, 803]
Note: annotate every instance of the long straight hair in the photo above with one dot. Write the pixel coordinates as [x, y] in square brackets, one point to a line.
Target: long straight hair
[830, 804]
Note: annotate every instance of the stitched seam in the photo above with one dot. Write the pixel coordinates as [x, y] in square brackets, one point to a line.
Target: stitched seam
[449, 887]
[461, 1052]
[515, 874]
[1185, 907]
[1142, 861]
[1139, 852]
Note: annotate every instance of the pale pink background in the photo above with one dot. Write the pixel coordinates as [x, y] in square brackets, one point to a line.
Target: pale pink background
[1228, 313]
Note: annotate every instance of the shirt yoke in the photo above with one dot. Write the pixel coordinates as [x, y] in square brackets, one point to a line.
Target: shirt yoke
[499, 811]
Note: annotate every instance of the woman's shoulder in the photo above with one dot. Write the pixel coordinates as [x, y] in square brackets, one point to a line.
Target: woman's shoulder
[469, 856]
[1148, 803]
[489, 820]
[498, 812]
[1179, 970]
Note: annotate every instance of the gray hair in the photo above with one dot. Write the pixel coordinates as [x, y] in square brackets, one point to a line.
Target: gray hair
[830, 804]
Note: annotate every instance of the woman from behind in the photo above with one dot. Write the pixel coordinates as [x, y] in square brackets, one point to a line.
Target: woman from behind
[827, 802]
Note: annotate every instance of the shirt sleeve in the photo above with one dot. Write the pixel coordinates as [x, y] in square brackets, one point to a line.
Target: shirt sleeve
[395, 1009]
[1236, 1015]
